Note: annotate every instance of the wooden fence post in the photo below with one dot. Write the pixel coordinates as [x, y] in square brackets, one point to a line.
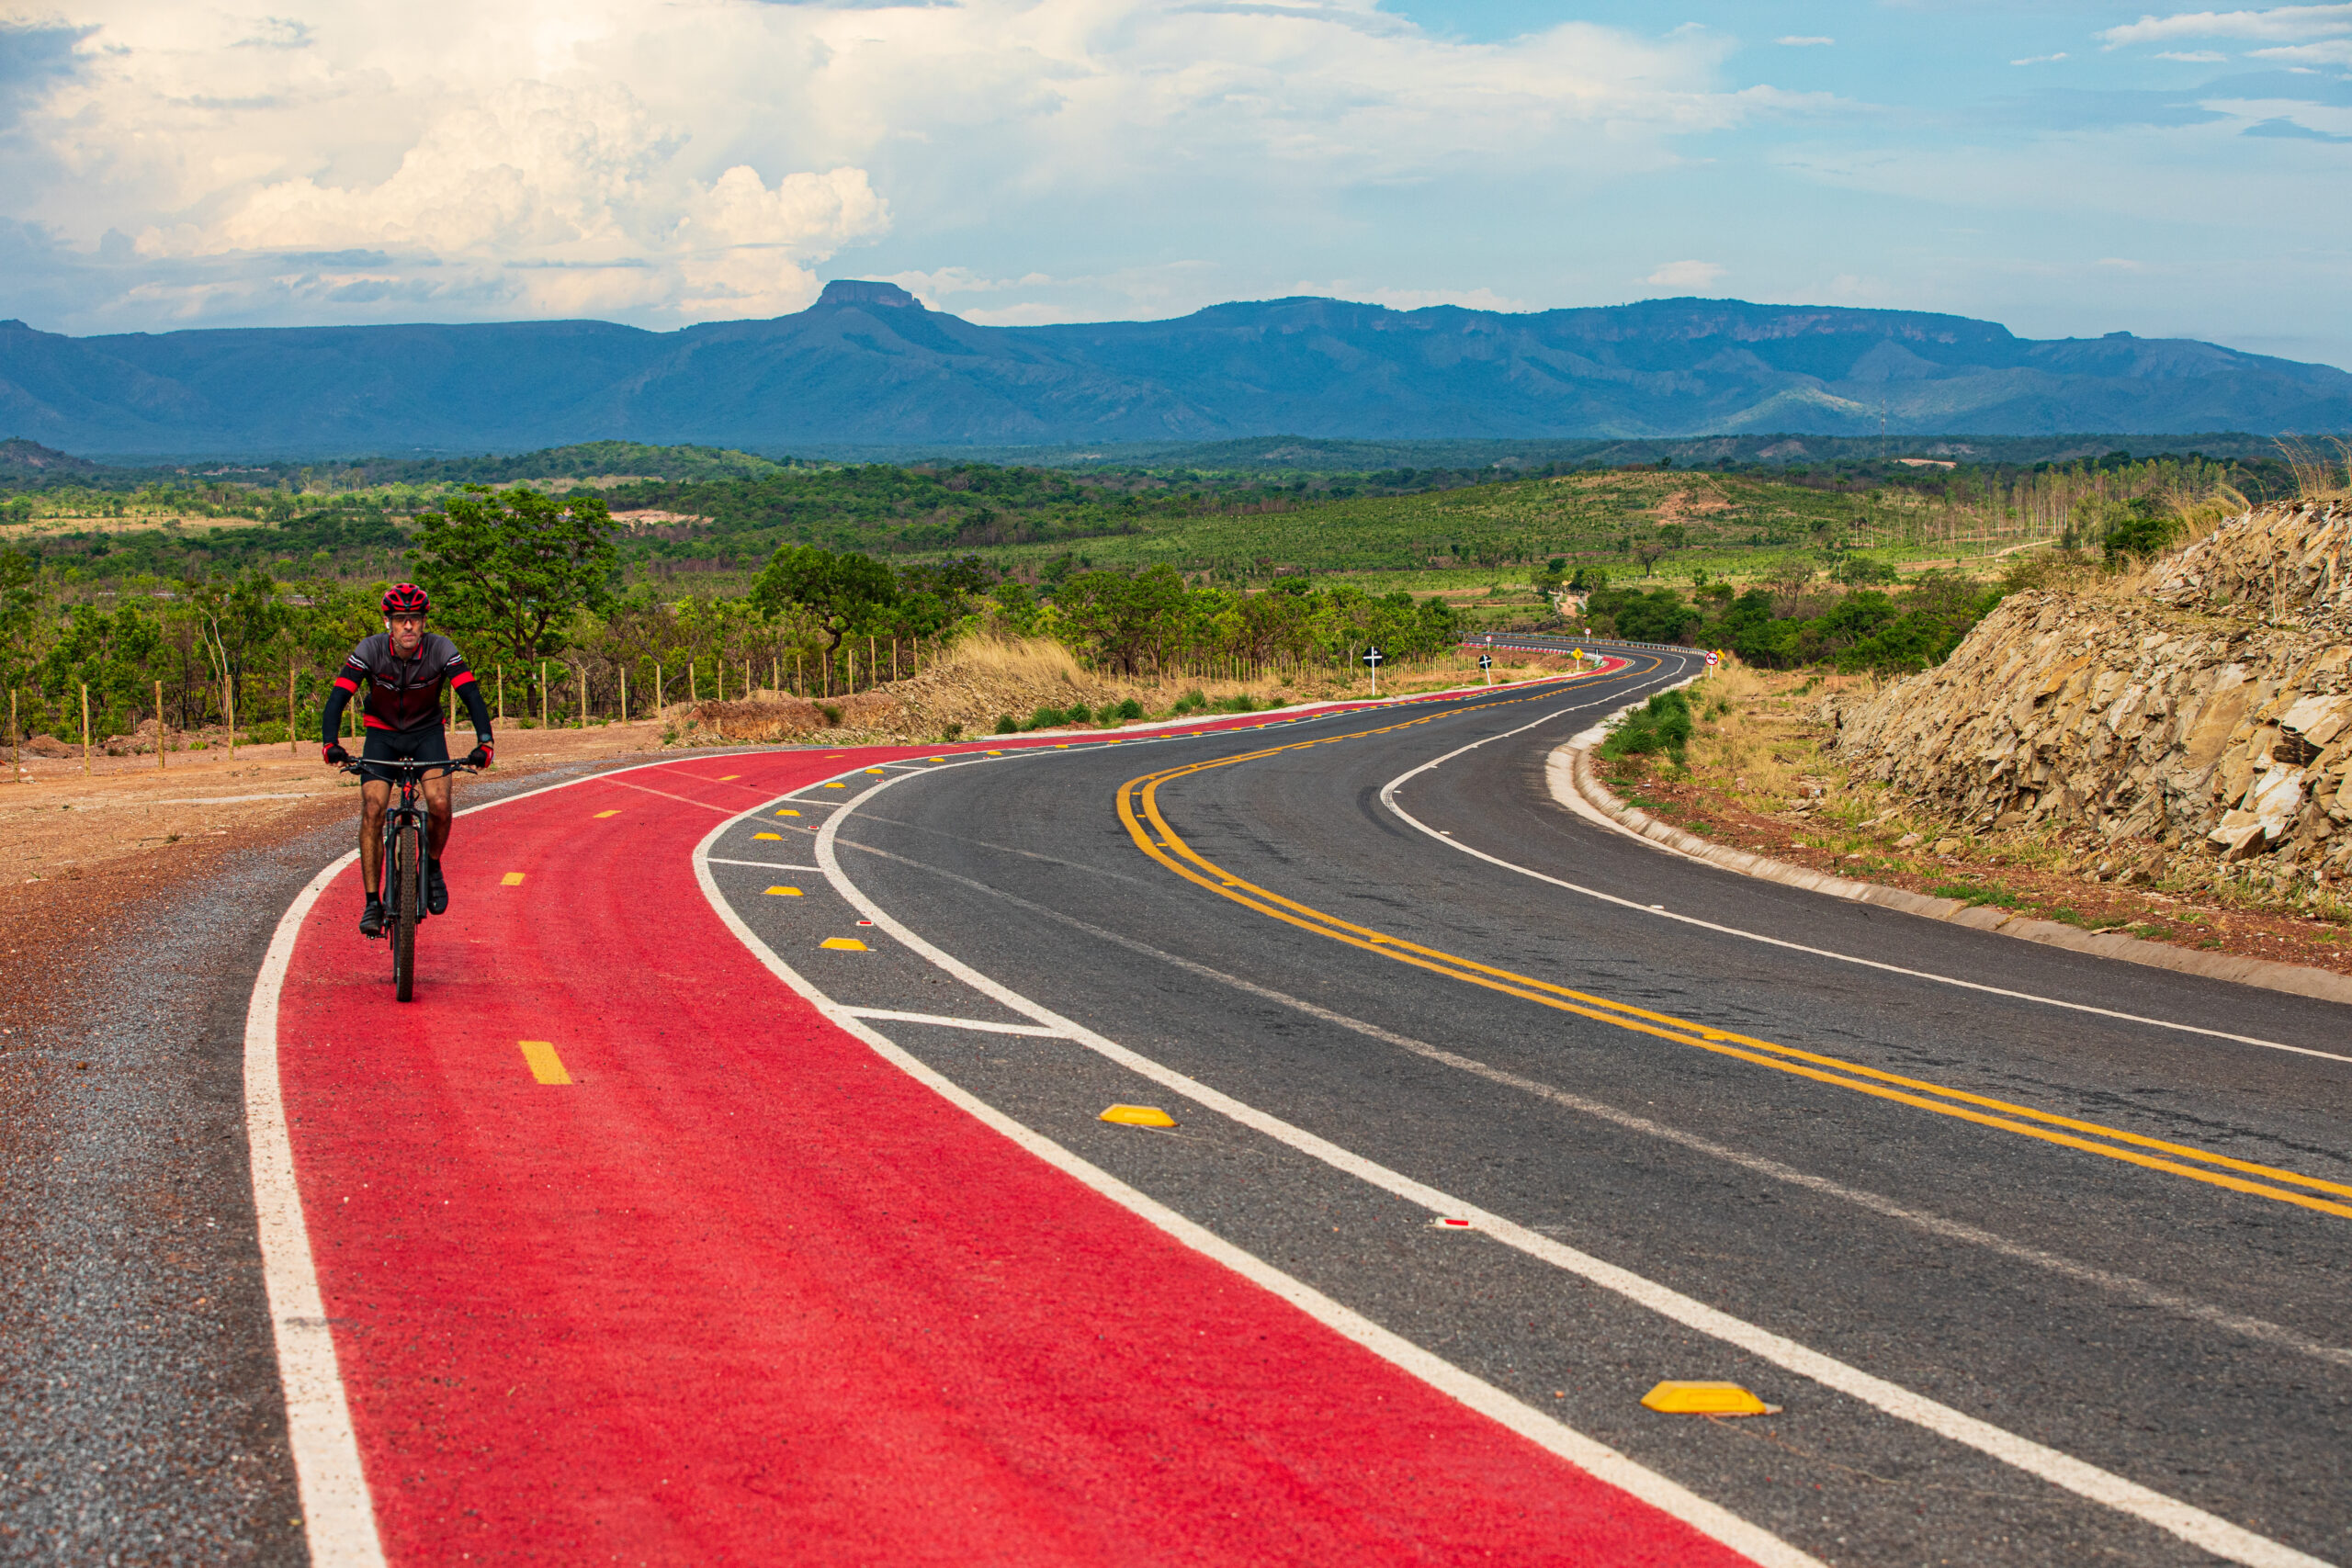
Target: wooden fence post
[16, 763]
[292, 747]
[849, 686]
[500, 672]
[86, 729]
[229, 712]
[159, 722]
[693, 681]
[543, 694]
[873, 666]
[583, 695]
[657, 688]
[624, 694]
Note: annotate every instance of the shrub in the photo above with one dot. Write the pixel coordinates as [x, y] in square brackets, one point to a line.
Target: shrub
[1006, 725]
[1079, 713]
[1662, 724]
[954, 731]
[1130, 710]
[832, 711]
[1045, 718]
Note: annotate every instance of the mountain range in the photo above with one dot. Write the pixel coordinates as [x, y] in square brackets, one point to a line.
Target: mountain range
[868, 363]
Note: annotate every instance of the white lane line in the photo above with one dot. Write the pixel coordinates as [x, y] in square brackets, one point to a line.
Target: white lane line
[2137, 1289]
[984, 1027]
[1388, 799]
[338, 1513]
[683, 800]
[764, 864]
[2194, 1525]
[1597, 1459]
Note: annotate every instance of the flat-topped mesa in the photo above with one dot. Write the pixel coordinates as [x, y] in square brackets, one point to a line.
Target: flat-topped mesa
[2212, 718]
[866, 291]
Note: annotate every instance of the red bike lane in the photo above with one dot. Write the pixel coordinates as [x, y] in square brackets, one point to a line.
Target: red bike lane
[743, 1291]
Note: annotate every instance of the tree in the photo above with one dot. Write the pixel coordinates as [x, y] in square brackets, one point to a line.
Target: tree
[21, 594]
[842, 594]
[1122, 616]
[512, 567]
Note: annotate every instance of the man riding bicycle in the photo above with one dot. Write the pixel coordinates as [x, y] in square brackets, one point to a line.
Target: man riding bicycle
[405, 667]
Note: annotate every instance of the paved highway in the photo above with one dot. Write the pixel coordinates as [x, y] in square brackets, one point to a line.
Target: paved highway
[755, 1151]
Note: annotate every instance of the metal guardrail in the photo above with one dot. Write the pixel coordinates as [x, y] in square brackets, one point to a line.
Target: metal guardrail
[1538, 643]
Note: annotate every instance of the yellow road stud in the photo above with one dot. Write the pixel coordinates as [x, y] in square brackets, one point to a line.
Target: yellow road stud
[873, 769]
[787, 814]
[844, 944]
[787, 893]
[511, 879]
[1706, 1399]
[837, 786]
[545, 1064]
[776, 836]
[1138, 1116]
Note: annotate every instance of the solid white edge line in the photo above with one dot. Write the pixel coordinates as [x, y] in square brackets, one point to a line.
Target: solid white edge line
[338, 1512]
[2194, 1525]
[1575, 804]
[887, 1015]
[338, 1515]
[764, 864]
[1598, 1460]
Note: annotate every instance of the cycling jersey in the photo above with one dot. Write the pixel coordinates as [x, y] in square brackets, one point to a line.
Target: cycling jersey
[404, 695]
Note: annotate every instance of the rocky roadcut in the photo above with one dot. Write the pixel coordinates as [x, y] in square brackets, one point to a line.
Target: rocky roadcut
[2208, 726]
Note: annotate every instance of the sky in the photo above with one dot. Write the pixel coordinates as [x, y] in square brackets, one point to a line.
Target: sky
[2068, 169]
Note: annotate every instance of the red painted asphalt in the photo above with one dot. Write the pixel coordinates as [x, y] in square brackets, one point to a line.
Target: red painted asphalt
[743, 1293]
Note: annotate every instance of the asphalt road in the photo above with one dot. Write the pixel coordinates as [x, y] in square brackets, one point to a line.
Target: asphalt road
[2096, 1208]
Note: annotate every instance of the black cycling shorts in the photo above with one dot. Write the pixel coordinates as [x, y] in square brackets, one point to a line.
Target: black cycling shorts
[404, 745]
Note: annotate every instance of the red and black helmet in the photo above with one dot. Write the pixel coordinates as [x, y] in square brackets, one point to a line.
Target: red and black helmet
[405, 599]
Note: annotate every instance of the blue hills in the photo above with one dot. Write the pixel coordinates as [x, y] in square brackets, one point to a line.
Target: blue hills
[869, 364]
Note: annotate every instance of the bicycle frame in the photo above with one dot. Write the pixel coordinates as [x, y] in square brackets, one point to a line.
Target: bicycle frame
[403, 865]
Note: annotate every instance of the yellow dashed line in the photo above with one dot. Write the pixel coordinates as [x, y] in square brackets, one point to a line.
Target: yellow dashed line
[729, 778]
[545, 1064]
[511, 879]
[602, 815]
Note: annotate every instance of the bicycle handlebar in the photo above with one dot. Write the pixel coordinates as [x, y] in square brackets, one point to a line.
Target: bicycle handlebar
[404, 764]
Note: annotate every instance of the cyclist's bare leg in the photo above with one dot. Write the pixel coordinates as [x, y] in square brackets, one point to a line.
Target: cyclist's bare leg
[436, 811]
[375, 799]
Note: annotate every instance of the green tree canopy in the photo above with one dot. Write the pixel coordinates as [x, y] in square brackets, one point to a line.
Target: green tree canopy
[842, 592]
[513, 566]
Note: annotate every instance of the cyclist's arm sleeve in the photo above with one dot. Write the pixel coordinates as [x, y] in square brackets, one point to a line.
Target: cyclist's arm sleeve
[346, 682]
[470, 689]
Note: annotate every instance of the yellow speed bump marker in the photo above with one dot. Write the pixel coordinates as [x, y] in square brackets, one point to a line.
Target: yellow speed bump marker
[787, 893]
[511, 879]
[787, 814]
[873, 769]
[1706, 1399]
[775, 836]
[1138, 1116]
[844, 944]
[837, 786]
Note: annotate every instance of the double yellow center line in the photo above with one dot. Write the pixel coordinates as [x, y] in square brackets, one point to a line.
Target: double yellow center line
[1140, 813]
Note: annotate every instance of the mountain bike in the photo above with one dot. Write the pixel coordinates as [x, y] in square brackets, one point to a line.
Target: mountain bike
[404, 858]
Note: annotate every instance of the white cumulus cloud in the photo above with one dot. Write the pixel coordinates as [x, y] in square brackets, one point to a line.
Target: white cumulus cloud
[1685, 275]
[2283, 22]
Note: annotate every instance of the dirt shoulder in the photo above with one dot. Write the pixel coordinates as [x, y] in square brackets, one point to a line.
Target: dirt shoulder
[1758, 779]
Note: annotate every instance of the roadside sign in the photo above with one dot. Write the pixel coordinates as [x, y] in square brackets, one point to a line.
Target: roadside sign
[1487, 663]
[1372, 656]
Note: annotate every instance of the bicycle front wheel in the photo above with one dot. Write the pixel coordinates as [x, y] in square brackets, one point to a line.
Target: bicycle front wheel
[407, 878]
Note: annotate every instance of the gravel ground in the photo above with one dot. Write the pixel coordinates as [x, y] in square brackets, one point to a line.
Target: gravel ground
[140, 1412]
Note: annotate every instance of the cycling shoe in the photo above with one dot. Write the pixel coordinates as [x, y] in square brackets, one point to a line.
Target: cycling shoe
[371, 919]
[437, 892]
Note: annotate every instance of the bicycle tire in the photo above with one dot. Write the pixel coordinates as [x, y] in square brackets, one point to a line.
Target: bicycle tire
[407, 877]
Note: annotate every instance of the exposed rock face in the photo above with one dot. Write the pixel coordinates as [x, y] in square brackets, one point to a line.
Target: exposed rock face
[2215, 716]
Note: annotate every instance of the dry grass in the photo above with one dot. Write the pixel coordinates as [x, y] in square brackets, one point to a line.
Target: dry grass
[982, 679]
[2319, 474]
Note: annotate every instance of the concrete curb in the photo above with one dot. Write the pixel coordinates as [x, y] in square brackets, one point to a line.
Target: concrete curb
[1569, 773]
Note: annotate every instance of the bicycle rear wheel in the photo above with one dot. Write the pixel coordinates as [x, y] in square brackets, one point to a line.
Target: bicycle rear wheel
[407, 879]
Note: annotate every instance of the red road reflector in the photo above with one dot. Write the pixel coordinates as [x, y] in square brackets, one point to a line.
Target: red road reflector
[1706, 1399]
[1448, 1222]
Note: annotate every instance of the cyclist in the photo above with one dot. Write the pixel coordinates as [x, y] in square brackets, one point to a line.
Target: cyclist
[405, 667]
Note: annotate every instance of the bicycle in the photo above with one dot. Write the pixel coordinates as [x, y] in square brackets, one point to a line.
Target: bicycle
[404, 858]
